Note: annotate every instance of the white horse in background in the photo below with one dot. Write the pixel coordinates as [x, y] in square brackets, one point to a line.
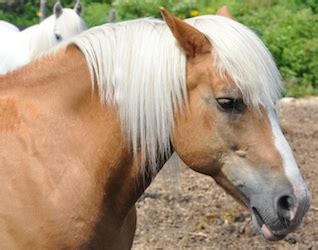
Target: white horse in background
[19, 48]
[8, 26]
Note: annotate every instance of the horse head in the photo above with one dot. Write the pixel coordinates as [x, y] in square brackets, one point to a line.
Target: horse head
[62, 25]
[229, 128]
[68, 22]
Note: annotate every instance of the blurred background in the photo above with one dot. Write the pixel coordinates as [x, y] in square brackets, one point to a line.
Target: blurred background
[289, 28]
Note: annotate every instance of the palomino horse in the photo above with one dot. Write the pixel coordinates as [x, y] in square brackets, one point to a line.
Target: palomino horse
[85, 130]
[18, 48]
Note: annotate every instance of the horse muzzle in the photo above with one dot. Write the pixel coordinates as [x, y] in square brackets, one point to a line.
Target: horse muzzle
[275, 217]
[277, 205]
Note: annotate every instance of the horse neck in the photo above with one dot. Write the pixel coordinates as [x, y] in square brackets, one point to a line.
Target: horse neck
[47, 70]
[60, 80]
[38, 37]
[30, 36]
[29, 32]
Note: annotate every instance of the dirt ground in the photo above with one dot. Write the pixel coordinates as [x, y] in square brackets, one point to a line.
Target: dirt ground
[189, 211]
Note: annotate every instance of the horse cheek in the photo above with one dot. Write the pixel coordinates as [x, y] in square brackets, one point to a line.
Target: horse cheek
[197, 143]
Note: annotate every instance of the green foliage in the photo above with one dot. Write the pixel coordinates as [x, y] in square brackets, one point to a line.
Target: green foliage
[21, 16]
[129, 9]
[96, 13]
[289, 28]
[292, 37]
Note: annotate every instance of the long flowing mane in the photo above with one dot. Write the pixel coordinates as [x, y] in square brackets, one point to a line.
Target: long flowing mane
[244, 57]
[139, 66]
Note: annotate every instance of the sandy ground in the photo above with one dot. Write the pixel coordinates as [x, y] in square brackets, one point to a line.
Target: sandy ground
[189, 211]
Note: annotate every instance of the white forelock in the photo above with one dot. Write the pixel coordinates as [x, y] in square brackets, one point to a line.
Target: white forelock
[243, 56]
[139, 66]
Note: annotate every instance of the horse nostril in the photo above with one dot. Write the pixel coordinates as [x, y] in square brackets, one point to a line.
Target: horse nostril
[285, 202]
[284, 206]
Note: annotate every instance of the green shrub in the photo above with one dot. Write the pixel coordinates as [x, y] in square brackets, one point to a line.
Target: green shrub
[130, 9]
[292, 37]
[22, 16]
[96, 13]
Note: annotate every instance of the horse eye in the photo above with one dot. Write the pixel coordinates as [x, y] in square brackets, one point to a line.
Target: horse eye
[58, 37]
[227, 104]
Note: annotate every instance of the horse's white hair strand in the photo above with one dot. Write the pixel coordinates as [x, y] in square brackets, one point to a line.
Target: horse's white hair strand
[139, 66]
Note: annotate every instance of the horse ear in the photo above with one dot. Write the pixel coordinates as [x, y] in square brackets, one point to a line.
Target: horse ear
[191, 40]
[78, 8]
[57, 9]
[224, 11]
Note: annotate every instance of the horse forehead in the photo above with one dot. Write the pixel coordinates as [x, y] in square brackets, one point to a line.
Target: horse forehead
[68, 15]
[205, 69]
[223, 84]
[69, 21]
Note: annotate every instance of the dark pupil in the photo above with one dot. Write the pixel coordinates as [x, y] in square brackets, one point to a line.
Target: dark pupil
[226, 103]
[230, 104]
[58, 37]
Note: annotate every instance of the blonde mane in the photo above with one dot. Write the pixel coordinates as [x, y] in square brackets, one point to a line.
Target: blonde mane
[139, 66]
[243, 56]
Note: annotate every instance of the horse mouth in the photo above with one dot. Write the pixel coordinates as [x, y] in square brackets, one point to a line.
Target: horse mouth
[265, 229]
[259, 218]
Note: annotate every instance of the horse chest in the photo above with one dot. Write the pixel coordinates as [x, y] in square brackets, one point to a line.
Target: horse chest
[48, 195]
[38, 211]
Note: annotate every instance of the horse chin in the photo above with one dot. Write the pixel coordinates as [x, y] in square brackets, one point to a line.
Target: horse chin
[264, 230]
